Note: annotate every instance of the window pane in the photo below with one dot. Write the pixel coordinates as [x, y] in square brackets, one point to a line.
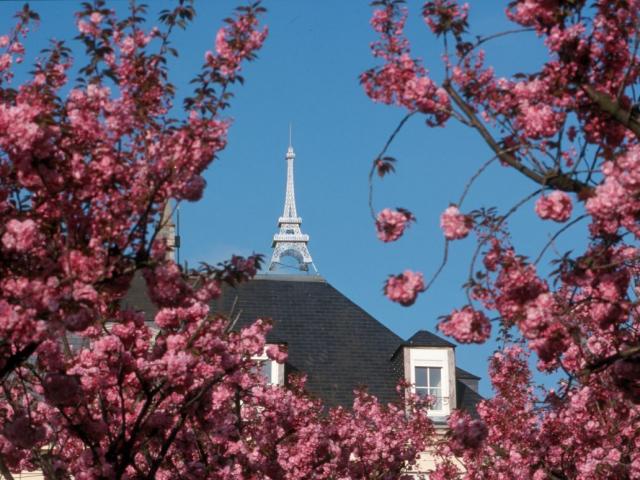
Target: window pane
[421, 376]
[435, 377]
[436, 395]
[422, 392]
[265, 370]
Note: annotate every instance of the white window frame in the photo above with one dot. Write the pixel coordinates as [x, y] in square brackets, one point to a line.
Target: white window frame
[432, 358]
[428, 387]
[276, 374]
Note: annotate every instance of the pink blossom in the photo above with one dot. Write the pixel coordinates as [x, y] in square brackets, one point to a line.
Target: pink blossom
[454, 224]
[405, 287]
[401, 79]
[4, 41]
[95, 17]
[5, 61]
[222, 46]
[581, 315]
[193, 189]
[615, 203]
[22, 432]
[391, 224]
[128, 46]
[62, 390]
[17, 48]
[167, 318]
[446, 16]
[87, 28]
[84, 293]
[211, 289]
[79, 320]
[20, 235]
[555, 206]
[466, 433]
[539, 121]
[276, 353]
[466, 326]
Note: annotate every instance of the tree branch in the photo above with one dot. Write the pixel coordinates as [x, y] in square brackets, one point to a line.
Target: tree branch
[5, 470]
[605, 362]
[17, 359]
[555, 179]
[611, 106]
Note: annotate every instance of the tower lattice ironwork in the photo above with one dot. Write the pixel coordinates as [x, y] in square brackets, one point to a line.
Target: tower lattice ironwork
[290, 241]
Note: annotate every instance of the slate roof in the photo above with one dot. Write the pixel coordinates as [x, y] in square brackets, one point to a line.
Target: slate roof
[423, 338]
[337, 344]
[467, 398]
[460, 373]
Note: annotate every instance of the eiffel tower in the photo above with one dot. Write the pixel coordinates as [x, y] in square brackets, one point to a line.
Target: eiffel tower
[290, 241]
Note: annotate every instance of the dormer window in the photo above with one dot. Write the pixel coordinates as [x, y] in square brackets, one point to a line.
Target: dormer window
[429, 366]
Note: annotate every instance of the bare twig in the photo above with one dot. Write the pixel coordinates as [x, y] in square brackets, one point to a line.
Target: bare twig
[479, 172]
[511, 211]
[480, 40]
[445, 257]
[380, 155]
[556, 235]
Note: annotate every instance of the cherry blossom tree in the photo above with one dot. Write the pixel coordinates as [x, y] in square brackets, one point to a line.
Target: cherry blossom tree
[92, 389]
[571, 126]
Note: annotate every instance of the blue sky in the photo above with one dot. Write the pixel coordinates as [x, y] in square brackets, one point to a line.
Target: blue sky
[307, 74]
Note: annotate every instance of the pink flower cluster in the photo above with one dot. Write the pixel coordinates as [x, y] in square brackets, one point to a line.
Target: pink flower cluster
[466, 326]
[454, 224]
[616, 201]
[237, 41]
[556, 206]
[443, 16]
[405, 287]
[569, 123]
[539, 120]
[390, 224]
[20, 235]
[401, 80]
[465, 432]
[277, 353]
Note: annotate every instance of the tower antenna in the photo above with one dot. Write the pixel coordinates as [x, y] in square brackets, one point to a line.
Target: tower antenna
[176, 240]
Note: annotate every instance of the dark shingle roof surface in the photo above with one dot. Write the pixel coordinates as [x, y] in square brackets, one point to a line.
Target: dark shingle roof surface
[467, 398]
[335, 342]
[338, 345]
[460, 373]
[422, 338]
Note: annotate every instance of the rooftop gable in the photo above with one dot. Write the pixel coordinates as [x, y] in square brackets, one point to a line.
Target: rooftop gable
[424, 338]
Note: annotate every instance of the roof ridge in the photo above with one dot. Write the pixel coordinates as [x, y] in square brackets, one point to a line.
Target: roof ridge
[289, 278]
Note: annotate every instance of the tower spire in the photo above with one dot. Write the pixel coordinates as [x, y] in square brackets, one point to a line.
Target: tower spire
[290, 241]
